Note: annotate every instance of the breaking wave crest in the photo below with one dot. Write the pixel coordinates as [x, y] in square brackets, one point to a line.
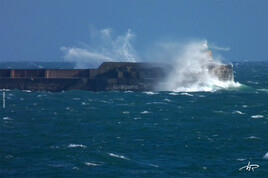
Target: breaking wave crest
[190, 72]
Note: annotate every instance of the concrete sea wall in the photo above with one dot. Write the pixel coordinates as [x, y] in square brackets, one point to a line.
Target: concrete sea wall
[109, 76]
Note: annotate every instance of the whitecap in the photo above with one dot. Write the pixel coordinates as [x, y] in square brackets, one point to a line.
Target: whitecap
[54, 147]
[126, 112]
[187, 94]
[238, 112]
[91, 164]
[252, 137]
[150, 93]
[27, 91]
[173, 93]
[265, 156]
[168, 100]
[253, 82]
[257, 116]
[9, 156]
[76, 145]
[153, 165]
[128, 91]
[218, 111]
[4, 89]
[137, 118]
[201, 96]
[263, 90]
[58, 165]
[7, 118]
[145, 112]
[244, 106]
[241, 159]
[118, 156]
[158, 102]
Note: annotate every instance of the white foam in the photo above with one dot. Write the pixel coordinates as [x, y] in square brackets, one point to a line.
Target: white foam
[168, 100]
[201, 96]
[9, 156]
[253, 82]
[263, 90]
[238, 112]
[241, 159]
[7, 118]
[257, 116]
[137, 118]
[218, 111]
[126, 112]
[252, 137]
[150, 93]
[91, 164]
[27, 91]
[265, 156]
[153, 165]
[76, 145]
[118, 156]
[128, 91]
[172, 93]
[54, 147]
[186, 94]
[191, 71]
[145, 112]
[4, 89]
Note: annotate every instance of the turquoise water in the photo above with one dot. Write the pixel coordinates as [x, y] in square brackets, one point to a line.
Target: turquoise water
[138, 134]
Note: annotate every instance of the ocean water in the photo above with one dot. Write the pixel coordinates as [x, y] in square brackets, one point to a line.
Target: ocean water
[138, 134]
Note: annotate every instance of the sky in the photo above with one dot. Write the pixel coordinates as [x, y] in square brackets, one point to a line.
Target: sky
[42, 30]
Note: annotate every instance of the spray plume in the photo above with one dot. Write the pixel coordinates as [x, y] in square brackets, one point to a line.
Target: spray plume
[189, 60]
[103, 48]
[190, 69]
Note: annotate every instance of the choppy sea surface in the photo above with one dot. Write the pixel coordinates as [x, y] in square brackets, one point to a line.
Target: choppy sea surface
[137, 134]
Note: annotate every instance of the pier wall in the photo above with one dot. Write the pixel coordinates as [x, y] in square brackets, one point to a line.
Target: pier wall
[109, 76]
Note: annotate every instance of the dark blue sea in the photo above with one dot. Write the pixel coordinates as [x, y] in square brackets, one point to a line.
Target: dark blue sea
[137, 134]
